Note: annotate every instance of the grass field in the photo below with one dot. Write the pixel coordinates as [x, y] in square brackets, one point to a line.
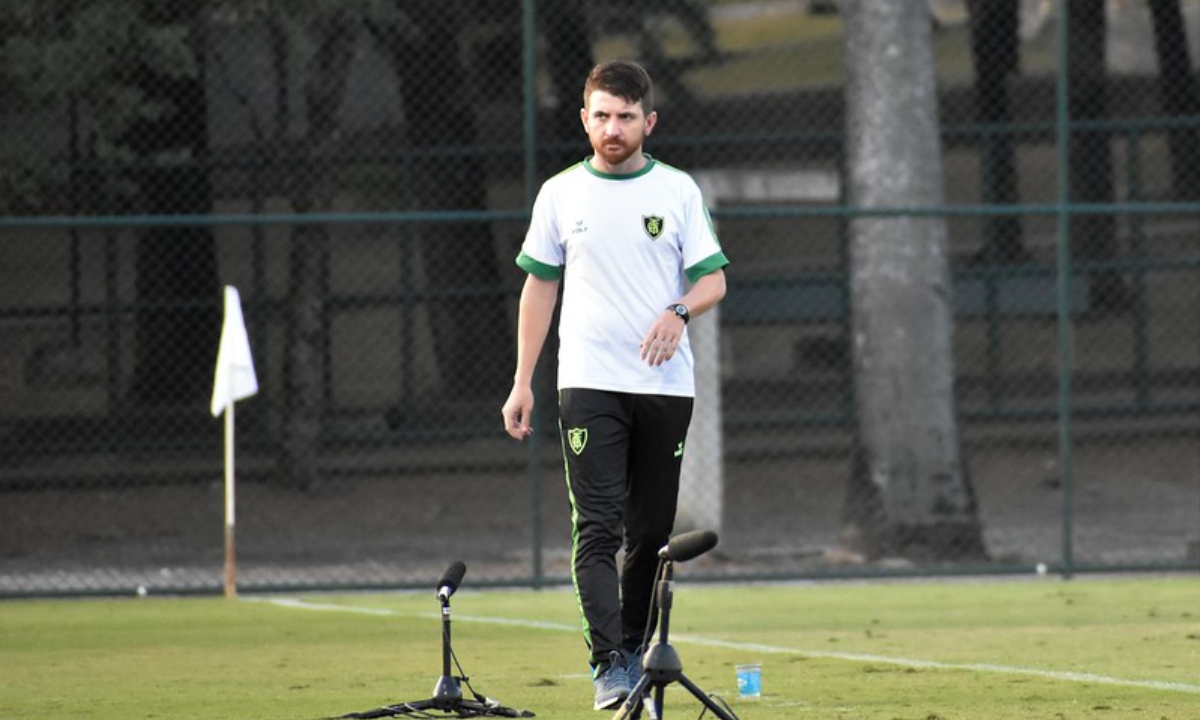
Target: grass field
[1109, 648]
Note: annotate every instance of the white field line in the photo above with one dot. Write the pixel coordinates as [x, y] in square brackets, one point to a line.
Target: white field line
[1079, 677]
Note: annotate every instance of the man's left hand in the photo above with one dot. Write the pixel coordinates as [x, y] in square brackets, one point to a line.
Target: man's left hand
[663, 338]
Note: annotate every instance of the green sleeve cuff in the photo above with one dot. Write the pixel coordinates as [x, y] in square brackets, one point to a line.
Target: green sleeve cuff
[708, 265]
[539, 270]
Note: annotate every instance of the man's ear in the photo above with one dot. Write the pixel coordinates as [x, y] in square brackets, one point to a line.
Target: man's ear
[651, 121]
[583, 119]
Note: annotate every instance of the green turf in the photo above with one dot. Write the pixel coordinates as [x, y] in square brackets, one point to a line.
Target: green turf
[986, 650]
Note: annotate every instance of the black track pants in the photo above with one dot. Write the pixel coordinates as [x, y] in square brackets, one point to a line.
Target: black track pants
[623, 454]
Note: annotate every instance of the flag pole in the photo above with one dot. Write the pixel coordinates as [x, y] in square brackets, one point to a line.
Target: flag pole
[230, 524]
[233, 380]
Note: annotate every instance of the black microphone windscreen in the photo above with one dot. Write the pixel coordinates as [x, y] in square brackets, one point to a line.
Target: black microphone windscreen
[453, 576]
[686, 546]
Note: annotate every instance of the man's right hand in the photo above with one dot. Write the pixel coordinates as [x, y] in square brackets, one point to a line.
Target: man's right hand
[518, 412]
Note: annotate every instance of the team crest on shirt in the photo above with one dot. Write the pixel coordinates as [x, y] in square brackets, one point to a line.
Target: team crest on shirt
[577, 439]
[653, 225]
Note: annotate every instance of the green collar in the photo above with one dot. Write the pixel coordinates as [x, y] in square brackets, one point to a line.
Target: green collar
[650, 162]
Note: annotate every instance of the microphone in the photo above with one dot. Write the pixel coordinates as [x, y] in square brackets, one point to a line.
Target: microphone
[682, 548]
[450, 580]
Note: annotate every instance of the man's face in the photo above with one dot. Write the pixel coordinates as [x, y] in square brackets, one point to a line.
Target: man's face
[616, 128]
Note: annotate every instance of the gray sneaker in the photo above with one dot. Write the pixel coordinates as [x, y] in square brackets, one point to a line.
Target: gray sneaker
[633, 667]
[612, 682]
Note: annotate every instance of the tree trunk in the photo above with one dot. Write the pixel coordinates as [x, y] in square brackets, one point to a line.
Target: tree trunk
[307, 344]
[917, 488]
[178, 309]
[1093, 236]
[470, 324]
[994, 49]
[1177, 90]
[568, 62]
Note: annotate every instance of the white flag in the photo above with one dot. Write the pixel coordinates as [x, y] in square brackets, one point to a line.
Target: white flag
[234, 378]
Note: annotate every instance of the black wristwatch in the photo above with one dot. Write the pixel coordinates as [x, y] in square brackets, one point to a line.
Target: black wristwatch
[680, 310]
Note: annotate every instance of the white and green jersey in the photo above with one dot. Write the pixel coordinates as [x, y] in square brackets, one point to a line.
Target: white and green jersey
[624, 245]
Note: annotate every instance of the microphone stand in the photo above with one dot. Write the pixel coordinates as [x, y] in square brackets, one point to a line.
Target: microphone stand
[662, 666]
[447, 692]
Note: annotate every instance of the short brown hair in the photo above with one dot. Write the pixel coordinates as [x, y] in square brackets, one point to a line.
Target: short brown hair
[624, 79]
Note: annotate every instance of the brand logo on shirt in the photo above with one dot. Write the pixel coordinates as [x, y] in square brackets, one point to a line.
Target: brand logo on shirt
[579, 228]
[653, 225]
[577, 439]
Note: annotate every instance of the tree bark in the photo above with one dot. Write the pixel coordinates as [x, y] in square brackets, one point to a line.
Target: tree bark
[1093, 236]
[994, 49]
[1177, 90]
[469, 320]
[917, 493]
[307, 343]
[178, 315]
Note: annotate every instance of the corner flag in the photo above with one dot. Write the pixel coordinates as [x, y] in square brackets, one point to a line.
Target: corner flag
[234, 378]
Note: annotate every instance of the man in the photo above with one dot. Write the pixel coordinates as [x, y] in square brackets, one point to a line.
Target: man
[624, 233]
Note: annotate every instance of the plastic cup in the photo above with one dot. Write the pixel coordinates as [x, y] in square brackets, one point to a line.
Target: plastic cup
[749, 680]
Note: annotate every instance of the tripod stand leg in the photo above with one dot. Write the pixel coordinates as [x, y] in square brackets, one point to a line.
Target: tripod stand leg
[395, 710]
[705, 699]
[425, 708]
[632, 707]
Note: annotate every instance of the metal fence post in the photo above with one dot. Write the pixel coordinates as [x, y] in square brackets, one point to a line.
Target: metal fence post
[1063, 297]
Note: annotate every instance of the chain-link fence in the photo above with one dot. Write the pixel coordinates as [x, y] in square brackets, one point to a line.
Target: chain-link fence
[961, 333]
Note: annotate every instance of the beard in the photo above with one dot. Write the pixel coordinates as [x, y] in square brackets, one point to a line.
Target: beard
[614, 152]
